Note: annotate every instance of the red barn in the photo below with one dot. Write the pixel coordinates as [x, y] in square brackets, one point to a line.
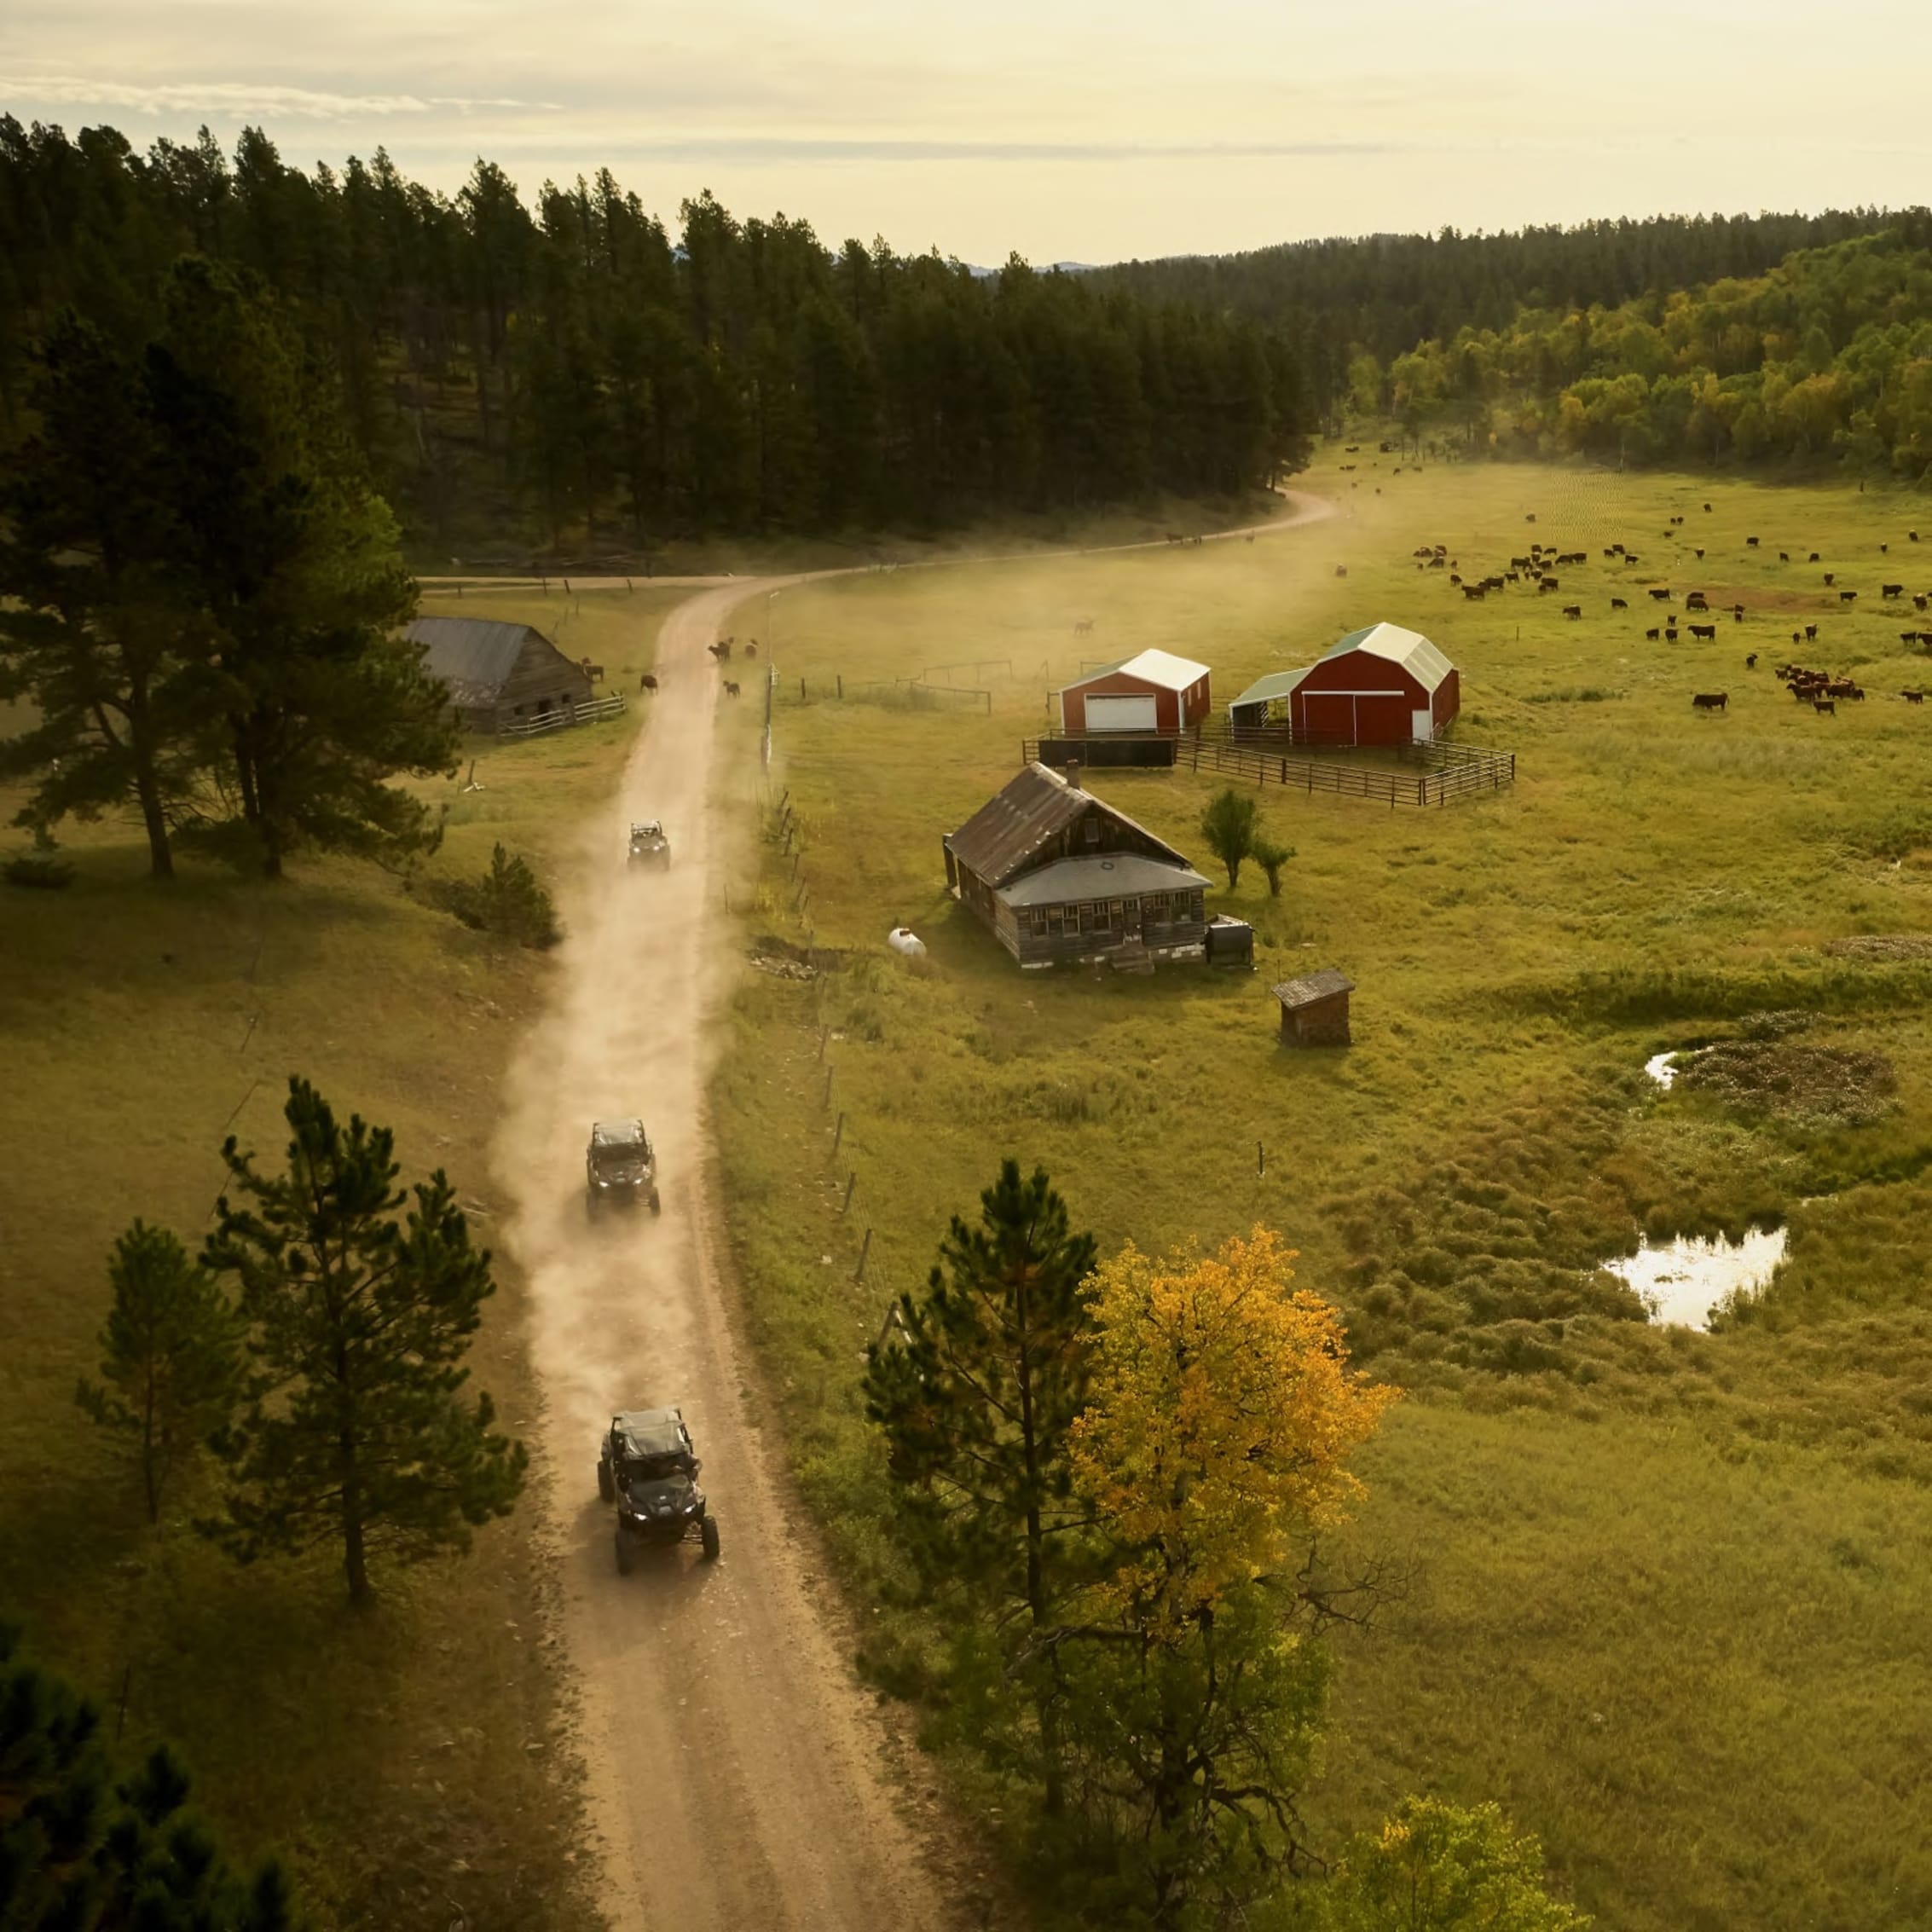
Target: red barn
[1155, 694]
[1379, 685]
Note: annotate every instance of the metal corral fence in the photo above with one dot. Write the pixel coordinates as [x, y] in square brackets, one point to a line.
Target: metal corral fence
[1448, 771]
[564, 716]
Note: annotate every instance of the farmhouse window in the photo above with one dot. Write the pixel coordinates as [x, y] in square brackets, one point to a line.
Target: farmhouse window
[1091, 831]
[1117, 913]
[1086, 918]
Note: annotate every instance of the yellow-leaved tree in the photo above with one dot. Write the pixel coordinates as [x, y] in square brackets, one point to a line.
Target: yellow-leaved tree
[1219, 1420]
[1213, 1451]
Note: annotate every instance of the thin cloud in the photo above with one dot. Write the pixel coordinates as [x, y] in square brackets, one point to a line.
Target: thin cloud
[233, 97]
[765, 148]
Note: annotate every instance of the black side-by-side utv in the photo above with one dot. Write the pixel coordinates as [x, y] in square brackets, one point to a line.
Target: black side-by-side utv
[648, 1467]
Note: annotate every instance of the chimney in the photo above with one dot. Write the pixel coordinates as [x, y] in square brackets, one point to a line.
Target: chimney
[1072, 774]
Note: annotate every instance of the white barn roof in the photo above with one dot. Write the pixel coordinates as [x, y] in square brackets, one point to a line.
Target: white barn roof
[1159, 668]
[1409, 649]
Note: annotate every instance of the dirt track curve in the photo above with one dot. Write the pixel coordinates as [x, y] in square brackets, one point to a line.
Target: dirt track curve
[736, 1771]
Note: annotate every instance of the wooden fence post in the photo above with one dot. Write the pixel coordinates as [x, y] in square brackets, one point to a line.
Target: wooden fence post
[825, 1099]
[838, 1134]
[865, 1249]
[851, 1182]
[1260, 1161]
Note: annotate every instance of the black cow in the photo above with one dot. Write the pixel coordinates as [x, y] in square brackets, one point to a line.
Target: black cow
[1810, 634]
[1709, 701]
[647, 682]
[1707, 632]
[1750, 662]
[1825, 705]
[1814, 556]
[1847, 597]
[1912, 697]
[1750, 543]
[1891, 590]
[1573, 611]
[1653, 635]
[1619, 603]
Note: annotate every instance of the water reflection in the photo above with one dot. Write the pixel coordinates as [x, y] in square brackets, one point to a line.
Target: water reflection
[1680, 1281]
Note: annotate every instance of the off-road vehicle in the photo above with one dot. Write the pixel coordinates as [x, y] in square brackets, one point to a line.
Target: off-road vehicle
[619, 1170]
[649, 846]
[648, 1467]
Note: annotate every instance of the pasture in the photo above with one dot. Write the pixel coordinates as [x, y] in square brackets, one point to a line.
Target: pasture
[1631, 1544]
[409, 1763]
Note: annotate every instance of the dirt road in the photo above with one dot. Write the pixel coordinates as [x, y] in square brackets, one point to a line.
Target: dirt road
[734, 1768]
[736, 1771]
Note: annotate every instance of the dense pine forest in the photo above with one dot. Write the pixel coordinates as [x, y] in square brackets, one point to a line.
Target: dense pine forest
[1381, 294]
[576, 376]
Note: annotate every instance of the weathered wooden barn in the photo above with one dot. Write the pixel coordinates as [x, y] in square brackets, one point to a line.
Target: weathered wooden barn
[1061, 878]
[1382, 686]
[1314, 1009]
[1152, 693]
[500, 675]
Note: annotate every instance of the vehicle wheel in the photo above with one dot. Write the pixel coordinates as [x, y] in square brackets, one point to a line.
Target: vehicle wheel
[656, 1206]
[606, 1482]
[627, 1557]
[707, 1532]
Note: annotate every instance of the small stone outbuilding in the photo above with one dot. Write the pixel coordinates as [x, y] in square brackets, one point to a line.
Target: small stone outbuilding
[1314, 1009]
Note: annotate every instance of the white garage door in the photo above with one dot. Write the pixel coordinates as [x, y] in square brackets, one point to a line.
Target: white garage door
[1122, 713]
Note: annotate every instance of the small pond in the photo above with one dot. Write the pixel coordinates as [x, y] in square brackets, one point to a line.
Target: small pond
[1680, 1281]
[1663, 1068]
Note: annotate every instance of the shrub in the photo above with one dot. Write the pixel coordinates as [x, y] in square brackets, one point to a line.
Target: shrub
[38, 871]
[509, 901]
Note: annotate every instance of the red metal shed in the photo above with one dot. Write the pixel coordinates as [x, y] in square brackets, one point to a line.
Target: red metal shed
[1152, 693]
[1378, 686]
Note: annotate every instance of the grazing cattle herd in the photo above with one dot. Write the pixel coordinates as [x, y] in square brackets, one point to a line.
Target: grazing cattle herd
[1823, 690]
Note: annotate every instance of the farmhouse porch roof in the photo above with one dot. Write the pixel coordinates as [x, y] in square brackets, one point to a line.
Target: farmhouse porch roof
[1118, 874]
[1025, 817]
[1313, 988]
[1409, 649]
[1159, 668]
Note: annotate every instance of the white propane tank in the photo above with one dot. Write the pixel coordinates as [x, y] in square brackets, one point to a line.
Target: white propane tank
[903, 939]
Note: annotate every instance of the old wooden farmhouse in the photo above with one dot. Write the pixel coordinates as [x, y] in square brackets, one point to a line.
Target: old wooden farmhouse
[501, 677]
[1064, 879]
[1381, 685]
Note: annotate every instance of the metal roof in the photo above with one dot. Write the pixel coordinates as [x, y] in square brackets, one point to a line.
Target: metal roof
[1409, 649]
[1095, 876]
[652, 1431]
[1276, 684]
[473, 655]
[1161, 668]
[1024, 818]
[618, 1133]
[1313, 988]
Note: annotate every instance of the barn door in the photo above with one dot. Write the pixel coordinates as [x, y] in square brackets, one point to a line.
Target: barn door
[1421, 726]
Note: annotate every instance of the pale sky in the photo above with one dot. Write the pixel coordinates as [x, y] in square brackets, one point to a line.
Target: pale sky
[1068, 130]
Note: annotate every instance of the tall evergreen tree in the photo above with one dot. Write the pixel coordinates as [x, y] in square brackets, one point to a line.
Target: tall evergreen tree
[171, 1357]
[95, 632]
[360, 1315]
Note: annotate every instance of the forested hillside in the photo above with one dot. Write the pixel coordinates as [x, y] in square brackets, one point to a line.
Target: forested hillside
[577, 376]
[1381, 294]
[1826, 358]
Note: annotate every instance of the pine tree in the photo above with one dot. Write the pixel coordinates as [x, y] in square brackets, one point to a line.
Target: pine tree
[358, 1432]
[170, 1368]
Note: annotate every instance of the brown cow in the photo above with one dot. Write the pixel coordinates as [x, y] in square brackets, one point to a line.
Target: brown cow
[647, 682]
[1709, 701]
[1912, 697]
[1750, 662]
[1653, 634]
[1707, 632]
[730, 689]
[1660, 596]
[1750, 543]
[1619, 603]
[1573, 611]
[1825, 705]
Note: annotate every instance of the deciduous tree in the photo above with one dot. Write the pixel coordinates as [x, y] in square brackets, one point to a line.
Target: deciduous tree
[360, 1315]
[171, 1357]
[1439, 1867]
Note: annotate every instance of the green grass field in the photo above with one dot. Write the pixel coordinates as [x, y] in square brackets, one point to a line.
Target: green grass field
[407, 1762]
[1669, 1585]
